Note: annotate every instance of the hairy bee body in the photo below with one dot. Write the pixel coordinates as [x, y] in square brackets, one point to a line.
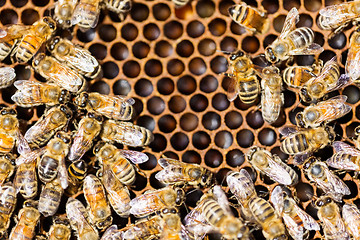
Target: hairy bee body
[86, 14]
[63, 12]
[60, 229]
[50, 198]
[94, 193]
[352, 61]
[26, 180]
[28, 218]
[76, 172]
[145, 229]
[251, 18]
[264, 214]
[125, 133]
[297, 76]
[9, 130]
[119, 6]
[7, 167]
[7, 206]
[351, 216]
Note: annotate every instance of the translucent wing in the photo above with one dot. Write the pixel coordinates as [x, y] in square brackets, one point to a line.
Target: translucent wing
[352, 67]
[232, 90]
[22, 145]
[343, 162]
[334, 185]
[312, 49]
[112, 233]
[344, 147]
[337, 11]
[63, 174]
[277, 172]
[172, 172]
[3, 33]
[128, 101]
[80, 145]
[80, 14]
[130, 136]
[241, 184]
[30, 157]
[66, 78]
[135, 156]
[82, 60]
[24, 95]
[222, 199]
[13, 31]
[308, 221]
[7, 75]
[291, 19]
[287, 131]
[196, 224]
[351, 214]
[40, 127]
[301, 157]
[277, 199]
[146, 203]
[343, 81]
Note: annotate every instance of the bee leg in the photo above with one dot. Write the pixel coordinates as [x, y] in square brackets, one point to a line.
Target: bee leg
[140, 172]
[290, 61]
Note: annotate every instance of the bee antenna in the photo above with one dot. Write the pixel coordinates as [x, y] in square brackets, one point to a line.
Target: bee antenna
[225, 52]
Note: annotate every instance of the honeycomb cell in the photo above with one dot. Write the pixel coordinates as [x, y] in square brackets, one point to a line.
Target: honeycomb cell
[346, 118]
[140, 182]
[217, 27]
[173, 30]
[165, 86]
[161, 11]
[199, 103]
[277, 151]
[179, 141]
[22, 72]
[40, 3]
[312, 5]
[107, 32]
[352, 93]
[338, 41]
[24, 113]
[151, 31]
[233, 120]
[224, 6]
[305, 21]
[177, 104]
[219, 64]
[289, 4]
[221, 176]
[293, 113]
[163, 49]
[208, 84]
[220, 102]
[149, 164]
[195, 29]
[207, 47]
[129, 32]
[242, 106]
[193, 196]
[154, 182]
[100, 87]
[110, 69]
[186, 85]
[228, 44]
[141, 50]
[197, 66]
[159, 143]
[237, 29]
[269, 39]
[146, 121]
[189, 122]
[143, 87]
[304, 191]
[167, 124]
[235, 158]
[251, 3]
[156, 105]
[119, 51]
[205, 8]
[184, 12]
[139, 12]
[290, 98]
[254, 119]
[175, 67]
[279, 22]
[326, 55]
[191, 157]
[8, 16]
[281, 120]
[213, 158]
[319, 38]
[99, 51]
[250, 44]
[211, 120]
[271, 6]
[185, 48]
[201, 140]
[131, 69]
[121, 87]
[350, 133]
[19, 3]
[245, 138]
[223, 139]
[153, 68]
[87, 36]
[267, 137]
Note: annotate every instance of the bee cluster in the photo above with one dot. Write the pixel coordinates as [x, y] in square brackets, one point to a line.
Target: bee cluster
[82, 170]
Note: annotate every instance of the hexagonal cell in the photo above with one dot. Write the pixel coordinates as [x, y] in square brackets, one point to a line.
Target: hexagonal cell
[213, 158]
[205, 8]
[165, 86]
[161, 11]
[9, 16]
[189, 122]
[139, 12]
[208, 84]
[211, 120]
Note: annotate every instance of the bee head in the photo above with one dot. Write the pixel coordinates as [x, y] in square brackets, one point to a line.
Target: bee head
[168, 210]
[8, 111]
[50, 22]
[304, 94]
[307, 164]
[357, 131]
[251, 152]
[323, 201]
[236, 55]
[95, 116]
[98, 146]
[206, 178]
[127, 6]
[65, 109]
[64, 96]
[38, 59]
[31, 203]
[64, 136]
[82, 99]
[299, 118]
[331, 133]
[52, 44]
[105, 223]
[180, 196]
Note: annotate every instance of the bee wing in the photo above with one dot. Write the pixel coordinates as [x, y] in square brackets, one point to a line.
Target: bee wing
[277, 199]
[79, 142]
[131, 135]
[83, 60]
[291, 19]
[343, 81]
[39, 127]
[337, 11]
[328, 113]
[141, 205]
[296, 231]
[7, 74]
[232, 90]
[300, 158]
[80, 13]
[66, 77]
[344, 147]
[196, 223]
[22, 145]
[173, 170]
[30, 156]
[350, 215]
[277, 172]
[135, 156]
[287, 131]
[334, 185]
[112, 233]
[308, 221]
[222, 200]
[13, 31]
[63, 174]
[312, 49]
[241, 190]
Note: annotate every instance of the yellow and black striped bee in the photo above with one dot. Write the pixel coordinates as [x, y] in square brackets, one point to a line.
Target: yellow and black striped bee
[50, 198]
[7, 206]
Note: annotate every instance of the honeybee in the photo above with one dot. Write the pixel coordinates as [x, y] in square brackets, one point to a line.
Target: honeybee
[345, 157]
[253, 19]
[112, 233]
[352, 62]
[243, 78]
[63, 12]
[147, 228]
[31, 93]
[272, 97]
[26, 179]
[50, 198]
[297, 76]
[40, 32]
[48, 124]
[27, 220]
[10, 37]
[329, 215]
[297, 221]
[272, 166]
[117, 160]
[176, 172]
[7, 167]
[7, 206]
[76, 173]
[7, 77]
[76, 57]
[58, 73]
[292, 41]
[94, 193]
[117, 194]
[351, 216]
[213, 214]
[266, 217]
[319, 173]
[155, 200]
[86, 14]
[115, 107]
[339, 16]
[52, 162]
[60, 229]
[88, 129]
[78, 216]
[122, 6]
[328, 80]
[323, 112]
[305, 141]
[125, 133]
[242, 186]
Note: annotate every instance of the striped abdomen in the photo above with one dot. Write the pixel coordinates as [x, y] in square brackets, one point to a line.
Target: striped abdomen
[212, 212]
[301, 37]
[294, 144]
[123, 170]
[29, 45]
[7, 205]
[293, 175]
[261, 209]
[77, 169]
[50, 198]
[6, 47]
[249, 17]
[7, 142]
[271, 102]
[47, 168]
[332, 75]
[248, 89]
[145, 229]
[87, 14]
[122, 111]
[26, 180]
[342, 159]
[297, 76]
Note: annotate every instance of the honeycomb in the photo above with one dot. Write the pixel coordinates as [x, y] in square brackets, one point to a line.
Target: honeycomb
[169, 61]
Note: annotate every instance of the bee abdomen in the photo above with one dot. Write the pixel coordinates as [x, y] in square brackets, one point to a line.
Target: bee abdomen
[47, 168]
[5, 49]
[296, 76]
[295, 144]
[301, 37]
[261, 209]
[27, 48]
[249, 90]
[125, 173]
[212, 211]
